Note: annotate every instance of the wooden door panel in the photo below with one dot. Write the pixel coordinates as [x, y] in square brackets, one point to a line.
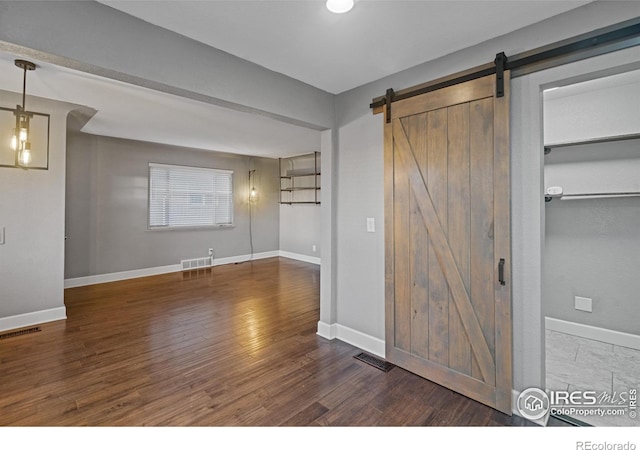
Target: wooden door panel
[459, 197]
[437, 156]
[447, 317]
[452, 95]
[481, 215]
[419, 264]
[444, 252]
[402, 280]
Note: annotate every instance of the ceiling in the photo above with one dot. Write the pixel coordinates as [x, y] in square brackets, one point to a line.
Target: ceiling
[338, 52]
[298, 38]
[133, 112]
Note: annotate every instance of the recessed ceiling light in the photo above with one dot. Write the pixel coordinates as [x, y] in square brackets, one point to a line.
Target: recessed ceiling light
[340, 6]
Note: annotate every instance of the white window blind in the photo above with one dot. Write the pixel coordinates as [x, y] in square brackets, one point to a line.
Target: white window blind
[182, 196]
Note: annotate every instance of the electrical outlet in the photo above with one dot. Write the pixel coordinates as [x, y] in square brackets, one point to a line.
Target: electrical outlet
[210, 252]
[1, 235]
[371, 225]
[313, 248]
[583, 304]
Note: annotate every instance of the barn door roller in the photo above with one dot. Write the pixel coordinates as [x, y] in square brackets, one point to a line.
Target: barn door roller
[501, 63]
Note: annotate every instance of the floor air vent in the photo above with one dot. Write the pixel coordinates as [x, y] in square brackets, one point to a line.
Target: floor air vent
[375, 362]
[11, 334]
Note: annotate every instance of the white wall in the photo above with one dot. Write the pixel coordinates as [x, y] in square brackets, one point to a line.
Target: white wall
[32, 213]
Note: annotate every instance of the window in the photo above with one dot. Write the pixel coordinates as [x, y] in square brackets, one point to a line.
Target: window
[181, 196]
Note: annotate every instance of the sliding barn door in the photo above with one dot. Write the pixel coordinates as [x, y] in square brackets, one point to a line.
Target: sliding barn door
[447, 218]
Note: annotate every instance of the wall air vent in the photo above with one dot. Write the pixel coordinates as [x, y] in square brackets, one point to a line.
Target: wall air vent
[197, 263]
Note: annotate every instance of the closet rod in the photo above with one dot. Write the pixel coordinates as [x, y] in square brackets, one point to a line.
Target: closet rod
[594, 195]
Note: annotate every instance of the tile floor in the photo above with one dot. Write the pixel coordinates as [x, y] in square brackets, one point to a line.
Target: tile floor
[575, 363]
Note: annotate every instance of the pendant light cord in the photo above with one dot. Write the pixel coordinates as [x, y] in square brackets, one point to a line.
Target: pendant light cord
[251, 175]
[24, 89]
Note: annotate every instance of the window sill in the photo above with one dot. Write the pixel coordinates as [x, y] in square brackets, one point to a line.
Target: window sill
[194, 228]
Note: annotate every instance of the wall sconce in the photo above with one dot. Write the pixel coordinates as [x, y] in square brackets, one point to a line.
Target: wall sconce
[29, 131]
[253, 194]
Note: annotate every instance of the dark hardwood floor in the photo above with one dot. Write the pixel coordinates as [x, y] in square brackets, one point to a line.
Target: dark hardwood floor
[232, 345]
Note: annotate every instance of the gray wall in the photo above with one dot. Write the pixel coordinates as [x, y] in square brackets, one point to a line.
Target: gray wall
[32, 213]
[106, 217]
[592, 249]
[300, 229]
[360, 259]
[300, 224]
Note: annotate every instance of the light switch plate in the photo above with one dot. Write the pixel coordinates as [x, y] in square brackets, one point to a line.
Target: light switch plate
[1, 235]
[371, 225]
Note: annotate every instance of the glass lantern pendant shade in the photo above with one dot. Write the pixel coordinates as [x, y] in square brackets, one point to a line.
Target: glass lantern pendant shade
[20, 139]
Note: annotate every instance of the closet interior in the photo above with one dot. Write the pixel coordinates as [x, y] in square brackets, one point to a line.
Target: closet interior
[591, 259]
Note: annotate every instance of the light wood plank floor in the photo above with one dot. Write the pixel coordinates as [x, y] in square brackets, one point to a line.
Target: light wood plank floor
[233, 345]
[574, 363]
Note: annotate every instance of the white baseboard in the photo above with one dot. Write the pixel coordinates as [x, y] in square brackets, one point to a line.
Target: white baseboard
[299, 257]
[119, 276]
[594, 333]
[138, 273]
[32, 318]
[326, 331]
[356, 338]
[243, 258]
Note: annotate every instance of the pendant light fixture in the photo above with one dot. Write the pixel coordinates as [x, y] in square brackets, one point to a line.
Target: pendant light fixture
[20, 142]
[340, 6]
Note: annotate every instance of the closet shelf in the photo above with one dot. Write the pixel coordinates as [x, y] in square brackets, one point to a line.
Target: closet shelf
[593, 195]
[622, 137]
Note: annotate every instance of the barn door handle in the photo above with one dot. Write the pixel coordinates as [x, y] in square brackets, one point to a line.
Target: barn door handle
[501, 272]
